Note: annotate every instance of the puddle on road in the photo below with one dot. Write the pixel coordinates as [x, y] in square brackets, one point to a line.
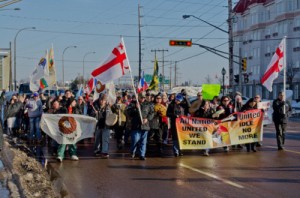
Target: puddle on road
[4, 192]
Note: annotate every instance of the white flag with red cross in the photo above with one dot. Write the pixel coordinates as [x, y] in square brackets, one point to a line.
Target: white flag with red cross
[115, 66]
[274, 67]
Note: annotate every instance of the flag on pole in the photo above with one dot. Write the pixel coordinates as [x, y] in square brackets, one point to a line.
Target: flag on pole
[51, 66]
[38, 78]
[274, 67]
[142, 84]
[90, 85]
[111, 93]
[115, 66]
[154, 82]
[79, 92]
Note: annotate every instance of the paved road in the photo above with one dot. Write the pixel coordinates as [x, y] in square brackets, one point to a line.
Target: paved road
[266, 173]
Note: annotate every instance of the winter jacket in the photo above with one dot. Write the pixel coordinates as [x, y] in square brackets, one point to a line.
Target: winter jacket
[147, 111]
[279, 116]
[35, 108]
[201, 113]
[119, 109]
[13, 109]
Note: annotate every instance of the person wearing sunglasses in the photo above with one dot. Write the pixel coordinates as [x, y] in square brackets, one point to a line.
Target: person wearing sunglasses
[227, 110]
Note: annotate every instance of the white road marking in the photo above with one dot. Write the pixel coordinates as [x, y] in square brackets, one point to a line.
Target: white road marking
[211, 175]
[291, 151]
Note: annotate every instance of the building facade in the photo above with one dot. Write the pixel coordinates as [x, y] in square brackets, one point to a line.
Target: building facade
[4, 68]
[258, 28]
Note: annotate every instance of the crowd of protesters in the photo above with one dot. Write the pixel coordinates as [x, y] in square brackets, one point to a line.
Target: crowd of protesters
[149, 117]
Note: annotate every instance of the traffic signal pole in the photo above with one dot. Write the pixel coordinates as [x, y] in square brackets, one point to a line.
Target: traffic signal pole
[240, 71]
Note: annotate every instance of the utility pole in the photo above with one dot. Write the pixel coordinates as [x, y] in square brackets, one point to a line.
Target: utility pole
[140, 43]
[163, 64]
[230, 40]
[170, 79]
[175, 74]
[240, 71]
[10, 68]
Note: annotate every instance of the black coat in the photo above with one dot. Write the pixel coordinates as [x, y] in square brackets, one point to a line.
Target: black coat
[147, 111]
[279, 116]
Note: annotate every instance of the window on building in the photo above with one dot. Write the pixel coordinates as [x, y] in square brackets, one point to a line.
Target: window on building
[297, 22]
[279, 7]
[298, 4]
[285, 28]
[290, 6]
[297, 64]
[258, 52]
[296, 91]
[297, 43]
[275, 28]
[268, 31]
[268, 13]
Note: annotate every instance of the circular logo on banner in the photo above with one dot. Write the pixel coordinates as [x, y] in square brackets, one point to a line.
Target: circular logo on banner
[67, 126]
[99, 87]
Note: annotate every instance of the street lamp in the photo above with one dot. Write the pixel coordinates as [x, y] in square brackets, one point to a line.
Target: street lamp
[15, 54]
[223, 73]
[188, 16]
[10, 9]
[83, 65]
[63, 66]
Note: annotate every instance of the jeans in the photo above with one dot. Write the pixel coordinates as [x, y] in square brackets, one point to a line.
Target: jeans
[139, 138]
[35, 127]
[62, 148]
[102, 140]
[176, 149]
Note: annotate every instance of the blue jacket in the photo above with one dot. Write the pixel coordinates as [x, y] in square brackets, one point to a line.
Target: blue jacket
[35, 108]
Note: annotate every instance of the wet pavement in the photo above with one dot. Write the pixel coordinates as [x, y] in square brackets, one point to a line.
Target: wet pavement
[266, 173]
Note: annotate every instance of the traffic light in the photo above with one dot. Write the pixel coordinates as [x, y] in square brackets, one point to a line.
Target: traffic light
[183, 43]
[244, 64]
[246, 78]
[237, 78]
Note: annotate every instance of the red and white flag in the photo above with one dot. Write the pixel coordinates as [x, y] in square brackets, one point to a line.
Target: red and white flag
[115, 66]
[143, 86]
[90, 85]
[274, 67]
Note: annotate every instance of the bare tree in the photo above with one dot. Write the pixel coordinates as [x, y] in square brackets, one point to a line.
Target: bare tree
[208, 79]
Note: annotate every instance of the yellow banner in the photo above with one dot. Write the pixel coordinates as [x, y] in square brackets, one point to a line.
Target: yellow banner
[238, 128]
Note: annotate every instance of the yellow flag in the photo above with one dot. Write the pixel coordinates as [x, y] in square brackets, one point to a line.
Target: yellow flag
[154, 82]
[52, 70]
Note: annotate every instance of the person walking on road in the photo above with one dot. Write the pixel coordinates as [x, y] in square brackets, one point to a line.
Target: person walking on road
[140, 128]
[175, 110]
[251, 104]
[119, 128]
[205, 111]
[72, 147]
[280, 115]
[35, 111]
[102, 133]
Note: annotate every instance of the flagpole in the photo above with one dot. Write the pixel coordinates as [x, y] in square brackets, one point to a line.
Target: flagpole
[284, 72]
[132, 83]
